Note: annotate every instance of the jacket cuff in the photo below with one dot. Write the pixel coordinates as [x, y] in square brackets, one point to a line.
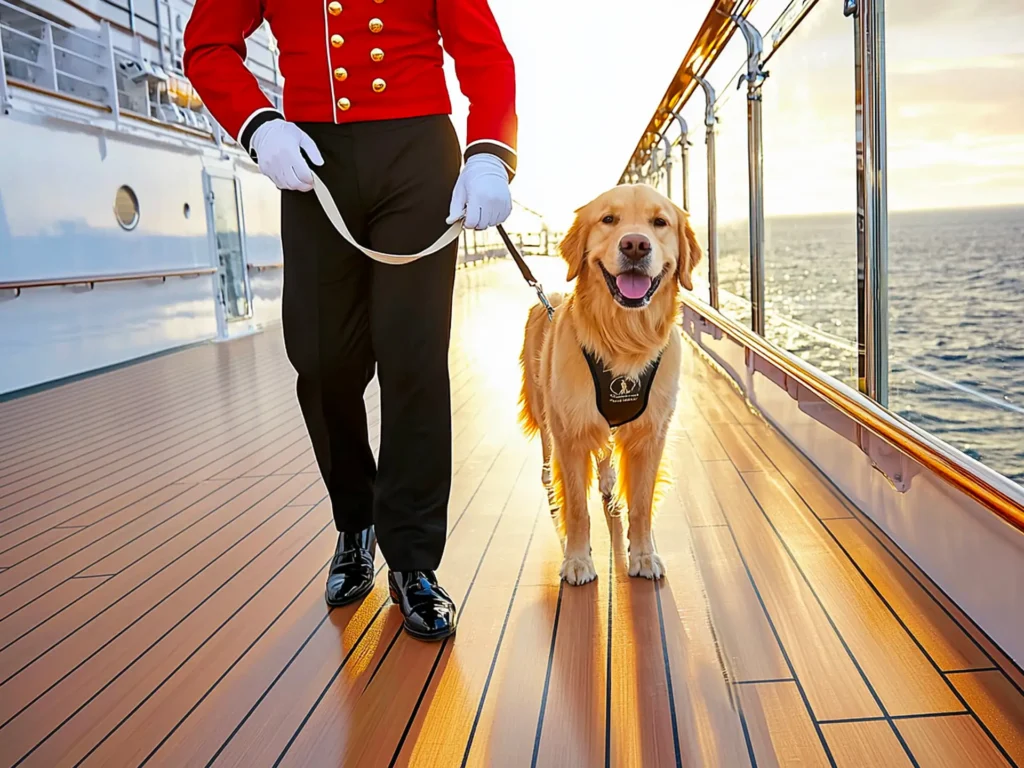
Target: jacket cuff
[252, 122]
[503, 152]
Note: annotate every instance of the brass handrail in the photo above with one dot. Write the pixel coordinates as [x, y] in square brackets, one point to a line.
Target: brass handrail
[264, 267]
[91, 280]
[716, 30]
[983, 484]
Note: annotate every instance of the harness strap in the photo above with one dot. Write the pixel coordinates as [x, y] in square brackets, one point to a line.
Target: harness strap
[620, 399]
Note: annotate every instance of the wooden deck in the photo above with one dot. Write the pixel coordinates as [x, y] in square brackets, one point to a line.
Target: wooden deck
[163, 544]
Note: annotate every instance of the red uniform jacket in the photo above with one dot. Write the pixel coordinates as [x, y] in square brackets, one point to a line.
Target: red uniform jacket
[355, 60]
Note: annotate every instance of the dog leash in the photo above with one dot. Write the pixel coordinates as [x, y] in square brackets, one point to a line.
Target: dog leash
[451, 234]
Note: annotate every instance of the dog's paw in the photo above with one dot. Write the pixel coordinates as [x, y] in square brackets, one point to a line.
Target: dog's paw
[646, 564]
[578, 570]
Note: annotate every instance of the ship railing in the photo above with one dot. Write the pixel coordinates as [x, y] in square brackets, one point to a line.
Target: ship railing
[748, 290]
[44, 55]
[91, 281]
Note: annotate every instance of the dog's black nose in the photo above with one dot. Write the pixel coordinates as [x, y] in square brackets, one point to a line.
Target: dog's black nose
[635, 246]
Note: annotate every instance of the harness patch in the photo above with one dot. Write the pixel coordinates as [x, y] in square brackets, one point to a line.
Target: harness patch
[620, 399]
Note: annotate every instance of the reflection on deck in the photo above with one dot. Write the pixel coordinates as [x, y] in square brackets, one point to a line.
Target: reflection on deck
[164, 535]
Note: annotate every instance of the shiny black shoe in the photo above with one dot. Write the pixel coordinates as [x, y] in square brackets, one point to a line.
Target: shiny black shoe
[351, 574]
[429, 611]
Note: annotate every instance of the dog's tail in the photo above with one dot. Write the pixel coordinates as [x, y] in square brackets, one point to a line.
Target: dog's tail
[529, 363]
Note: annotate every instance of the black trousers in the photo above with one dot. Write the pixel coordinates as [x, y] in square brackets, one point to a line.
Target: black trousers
[346, 316]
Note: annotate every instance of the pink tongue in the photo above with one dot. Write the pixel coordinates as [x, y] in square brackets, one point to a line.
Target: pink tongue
[632, 285]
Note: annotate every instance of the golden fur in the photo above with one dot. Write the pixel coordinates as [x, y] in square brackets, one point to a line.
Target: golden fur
[557, 399]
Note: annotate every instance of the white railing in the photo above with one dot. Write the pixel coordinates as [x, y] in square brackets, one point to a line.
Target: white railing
[40, 53]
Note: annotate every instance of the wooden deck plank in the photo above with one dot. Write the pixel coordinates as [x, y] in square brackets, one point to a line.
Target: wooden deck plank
[998, 704]
[781, 731]
[642, 716]
[740, 624]
[708, 721]
[834, 686]
[690, 482]
[944, 640]
[575, 713]
[742, 450]
[949, 742]
[866, 744]
[905, 680]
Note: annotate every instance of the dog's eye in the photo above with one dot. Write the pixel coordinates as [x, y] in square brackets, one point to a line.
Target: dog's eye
[609, 219]
[660, 222]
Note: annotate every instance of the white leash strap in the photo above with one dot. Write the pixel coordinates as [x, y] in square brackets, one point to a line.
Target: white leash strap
[327, 203]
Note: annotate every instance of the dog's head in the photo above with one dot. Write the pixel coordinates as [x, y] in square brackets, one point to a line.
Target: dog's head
[635, 243]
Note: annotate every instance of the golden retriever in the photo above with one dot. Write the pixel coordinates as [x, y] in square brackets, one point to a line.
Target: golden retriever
[629, 251]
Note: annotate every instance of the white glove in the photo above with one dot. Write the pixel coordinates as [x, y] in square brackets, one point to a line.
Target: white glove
[481, 193]
[277, 144]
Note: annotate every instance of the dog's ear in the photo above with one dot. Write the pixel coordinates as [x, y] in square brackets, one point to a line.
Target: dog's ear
[689, 249]
[574, 245]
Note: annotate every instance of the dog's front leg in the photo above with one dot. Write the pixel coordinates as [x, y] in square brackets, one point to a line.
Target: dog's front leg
[639, 463]
[572, 468]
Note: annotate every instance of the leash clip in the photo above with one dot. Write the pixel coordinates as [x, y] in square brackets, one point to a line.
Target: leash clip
[543, 299]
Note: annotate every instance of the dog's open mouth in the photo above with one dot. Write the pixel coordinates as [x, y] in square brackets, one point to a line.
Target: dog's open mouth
[631, 289]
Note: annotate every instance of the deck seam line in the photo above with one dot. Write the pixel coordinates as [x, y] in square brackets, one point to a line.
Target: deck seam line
[547, 676]
[668, 675]
[223, 624]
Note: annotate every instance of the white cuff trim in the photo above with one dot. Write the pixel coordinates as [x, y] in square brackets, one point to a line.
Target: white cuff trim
[491, 141]
[249, 120]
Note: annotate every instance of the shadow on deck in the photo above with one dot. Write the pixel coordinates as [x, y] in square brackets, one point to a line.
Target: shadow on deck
[164, 537]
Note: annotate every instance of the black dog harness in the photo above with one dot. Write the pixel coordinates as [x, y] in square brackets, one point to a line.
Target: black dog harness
[620, 399]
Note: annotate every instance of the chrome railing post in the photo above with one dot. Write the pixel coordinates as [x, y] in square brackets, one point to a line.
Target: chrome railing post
[872, 201]
[684, 156]
[709, 122]
[50, 57]
[754, 78]
[111, 66]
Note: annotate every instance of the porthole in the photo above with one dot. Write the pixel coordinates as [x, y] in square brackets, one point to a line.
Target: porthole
[126, 208]
[186, 210]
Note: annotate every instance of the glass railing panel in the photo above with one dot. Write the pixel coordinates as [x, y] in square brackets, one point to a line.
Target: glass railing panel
[956, 223]
[733, 206]
[810, 171]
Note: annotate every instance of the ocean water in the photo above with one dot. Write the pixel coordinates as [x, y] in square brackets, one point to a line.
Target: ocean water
[956, 315]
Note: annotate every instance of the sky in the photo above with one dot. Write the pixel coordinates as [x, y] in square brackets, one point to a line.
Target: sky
[590, 75]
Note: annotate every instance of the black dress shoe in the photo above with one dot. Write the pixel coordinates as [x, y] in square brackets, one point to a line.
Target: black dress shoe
[351, 574]
[429, 612]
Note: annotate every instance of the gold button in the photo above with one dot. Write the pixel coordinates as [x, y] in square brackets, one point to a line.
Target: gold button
[378, 1]
[379, 85]
[377, 54]
[334, 9]
[376, 25]
[337, 41]
[340, 73]
[344, 103]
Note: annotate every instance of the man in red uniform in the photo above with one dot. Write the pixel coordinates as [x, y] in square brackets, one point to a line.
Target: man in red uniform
[366, 102]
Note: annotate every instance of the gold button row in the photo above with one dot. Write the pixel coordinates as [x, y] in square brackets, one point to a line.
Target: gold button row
[340, 74]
